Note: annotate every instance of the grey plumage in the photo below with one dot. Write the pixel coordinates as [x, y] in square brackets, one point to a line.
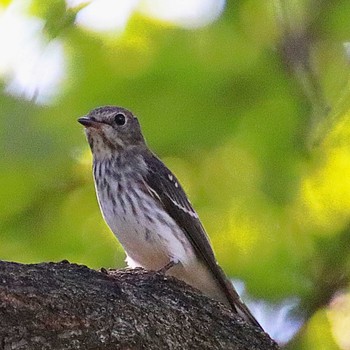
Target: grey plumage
[146, 208]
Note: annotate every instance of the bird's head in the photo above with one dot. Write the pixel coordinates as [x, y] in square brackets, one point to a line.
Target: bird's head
[111, 129]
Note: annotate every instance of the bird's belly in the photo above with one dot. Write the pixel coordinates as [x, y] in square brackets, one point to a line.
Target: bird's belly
[142, 246]
[150, 238]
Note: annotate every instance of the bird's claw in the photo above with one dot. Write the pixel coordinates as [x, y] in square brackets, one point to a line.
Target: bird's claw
[168, 266]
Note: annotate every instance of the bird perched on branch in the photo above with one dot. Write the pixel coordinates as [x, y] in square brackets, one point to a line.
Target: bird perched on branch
[146, 208]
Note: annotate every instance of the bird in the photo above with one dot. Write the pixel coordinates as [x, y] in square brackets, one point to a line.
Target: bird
[147, 209]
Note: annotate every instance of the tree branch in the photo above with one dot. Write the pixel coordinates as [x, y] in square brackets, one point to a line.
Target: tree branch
[67, 306]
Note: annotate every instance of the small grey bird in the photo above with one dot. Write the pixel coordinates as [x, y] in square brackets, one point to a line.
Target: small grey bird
[146, 208]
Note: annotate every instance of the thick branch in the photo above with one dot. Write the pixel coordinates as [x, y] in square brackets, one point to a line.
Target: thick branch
[67, 306]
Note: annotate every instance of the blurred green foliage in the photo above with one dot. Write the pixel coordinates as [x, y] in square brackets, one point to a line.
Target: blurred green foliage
[251, 113]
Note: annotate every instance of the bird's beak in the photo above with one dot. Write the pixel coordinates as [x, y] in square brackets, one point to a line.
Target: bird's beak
[89, 123]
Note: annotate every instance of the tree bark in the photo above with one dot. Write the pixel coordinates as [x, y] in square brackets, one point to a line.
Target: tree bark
[67, 306]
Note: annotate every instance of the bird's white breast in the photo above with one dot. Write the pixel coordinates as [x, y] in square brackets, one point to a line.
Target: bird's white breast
[150, 237]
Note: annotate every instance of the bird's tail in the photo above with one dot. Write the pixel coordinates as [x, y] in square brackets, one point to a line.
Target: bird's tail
[214, 284]
[234, 299]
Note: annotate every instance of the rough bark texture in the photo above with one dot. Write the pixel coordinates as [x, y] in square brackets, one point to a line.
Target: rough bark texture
[67, 306]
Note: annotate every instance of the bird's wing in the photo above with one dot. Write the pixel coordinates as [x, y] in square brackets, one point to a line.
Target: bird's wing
[164, 186]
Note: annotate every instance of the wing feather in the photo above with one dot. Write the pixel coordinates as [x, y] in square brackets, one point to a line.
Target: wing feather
[166, 188]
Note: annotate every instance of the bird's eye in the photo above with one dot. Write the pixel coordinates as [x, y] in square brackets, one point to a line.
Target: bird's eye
[119, 119]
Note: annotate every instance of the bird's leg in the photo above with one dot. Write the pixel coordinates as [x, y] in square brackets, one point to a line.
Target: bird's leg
[167, 267]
